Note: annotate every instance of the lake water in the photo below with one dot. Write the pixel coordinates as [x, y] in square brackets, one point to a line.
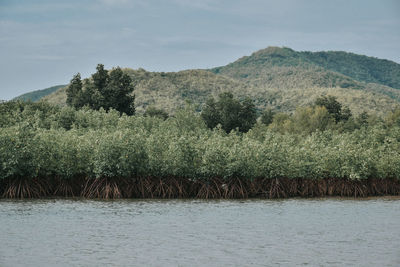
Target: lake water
[309, 232]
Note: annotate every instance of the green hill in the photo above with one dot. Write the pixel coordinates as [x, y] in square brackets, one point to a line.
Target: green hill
[352, 66]
[278, 78]
[285, 68]
[171, 90]
[38, 94]
[358, 67]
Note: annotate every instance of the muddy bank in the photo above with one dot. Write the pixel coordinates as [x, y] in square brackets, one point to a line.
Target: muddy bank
[175, 187]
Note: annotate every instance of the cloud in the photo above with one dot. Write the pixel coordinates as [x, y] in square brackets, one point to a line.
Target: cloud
[115, 2]
[122, 3]
[60, 37]
[209, 5]
[39, 7]
[44, 57]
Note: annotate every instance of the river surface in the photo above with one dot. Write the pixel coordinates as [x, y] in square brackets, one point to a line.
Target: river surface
[305, 232]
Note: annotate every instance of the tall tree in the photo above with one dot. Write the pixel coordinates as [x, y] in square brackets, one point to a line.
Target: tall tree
[100, 78]
[105, 90]
[247, 115]
[229, 110]
[117, 92]
[267, 116]
[210, 114]
[74, 90]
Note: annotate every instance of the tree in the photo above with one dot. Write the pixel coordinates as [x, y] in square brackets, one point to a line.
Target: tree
[117, 92]
[334, 108]
[345, 114]
[362, 119]
[279, 122]
[229, 110]
[247, 115]
[309, 119]
[267, 116]
[74, 90]
[230, 113]
[108, 90]
[90, 96]
[100, 78]
[393, 118]
[210, 113]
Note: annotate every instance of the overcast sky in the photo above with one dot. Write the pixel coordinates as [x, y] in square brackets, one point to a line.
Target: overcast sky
[45, 42]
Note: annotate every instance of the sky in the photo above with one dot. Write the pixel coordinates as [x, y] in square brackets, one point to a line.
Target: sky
[45, 42]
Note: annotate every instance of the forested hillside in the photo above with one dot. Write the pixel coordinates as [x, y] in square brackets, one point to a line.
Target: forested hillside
[172, 89]
[358, 67]
[352, 66]
[284, 68]
[277, 78]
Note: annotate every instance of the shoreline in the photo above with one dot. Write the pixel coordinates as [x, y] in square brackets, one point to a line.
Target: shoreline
[335, 198]
[185, 188]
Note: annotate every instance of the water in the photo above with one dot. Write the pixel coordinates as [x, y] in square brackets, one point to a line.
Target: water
[318, 232]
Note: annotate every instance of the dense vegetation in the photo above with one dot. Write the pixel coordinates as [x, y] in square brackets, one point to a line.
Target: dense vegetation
[230, 113]
[324, 127]
[360, 68]
[353, 67]
[104, 90]
[47, 150]
[277, 78]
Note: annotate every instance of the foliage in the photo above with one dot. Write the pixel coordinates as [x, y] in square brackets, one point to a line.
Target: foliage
[304, 121]
[334, 108]
[68, 143]
[277, 78]
[361, 68]
[155, 112]
[106, 90]
[340, 68]
[230, 113]
[74, 92]
[393, 118]
[267, 116]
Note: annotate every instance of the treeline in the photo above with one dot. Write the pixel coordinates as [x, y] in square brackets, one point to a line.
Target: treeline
[46, 150]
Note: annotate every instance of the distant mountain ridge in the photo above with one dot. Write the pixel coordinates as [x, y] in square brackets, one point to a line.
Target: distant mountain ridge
[275, 77]
[358, 67]
[363, 68]
[39, 94]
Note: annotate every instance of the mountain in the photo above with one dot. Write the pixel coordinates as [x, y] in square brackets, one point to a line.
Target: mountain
[277, 67]
[38, 94]
[275, 77]
[357, 67]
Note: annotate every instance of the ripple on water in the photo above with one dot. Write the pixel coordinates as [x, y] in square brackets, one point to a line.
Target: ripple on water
[315, 232]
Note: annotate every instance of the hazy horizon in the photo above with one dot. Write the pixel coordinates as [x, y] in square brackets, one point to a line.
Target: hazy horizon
[44, 43]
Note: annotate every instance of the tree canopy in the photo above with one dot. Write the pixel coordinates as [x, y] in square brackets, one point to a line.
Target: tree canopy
[106, 89]
[334, 108]
[230, 113]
